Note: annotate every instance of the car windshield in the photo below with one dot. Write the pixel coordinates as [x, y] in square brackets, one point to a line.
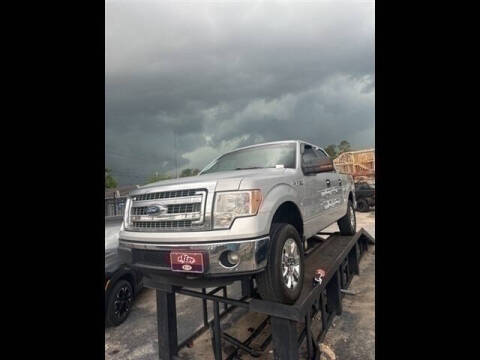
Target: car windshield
[265, 156]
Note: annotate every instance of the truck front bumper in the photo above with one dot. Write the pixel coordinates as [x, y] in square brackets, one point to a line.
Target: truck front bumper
[154, 258]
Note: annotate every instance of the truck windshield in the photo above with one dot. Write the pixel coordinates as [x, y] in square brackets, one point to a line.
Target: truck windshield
[266, 156]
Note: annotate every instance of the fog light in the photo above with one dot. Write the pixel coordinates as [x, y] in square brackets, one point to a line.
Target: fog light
[229, 259]
[233, 258]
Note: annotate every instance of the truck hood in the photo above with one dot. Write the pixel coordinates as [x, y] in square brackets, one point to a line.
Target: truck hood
[225, 180]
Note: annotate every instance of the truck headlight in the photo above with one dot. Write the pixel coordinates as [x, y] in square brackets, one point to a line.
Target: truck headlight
[233, 204]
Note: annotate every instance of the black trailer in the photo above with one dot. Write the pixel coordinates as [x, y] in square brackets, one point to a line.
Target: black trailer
[291, 327]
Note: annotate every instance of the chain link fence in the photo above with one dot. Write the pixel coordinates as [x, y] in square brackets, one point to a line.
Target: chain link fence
[115, 206]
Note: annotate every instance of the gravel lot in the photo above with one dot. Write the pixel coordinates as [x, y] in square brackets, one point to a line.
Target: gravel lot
[352, 335]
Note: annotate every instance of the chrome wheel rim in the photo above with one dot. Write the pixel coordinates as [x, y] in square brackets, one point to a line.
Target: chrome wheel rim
[352, 217]
[290, 264]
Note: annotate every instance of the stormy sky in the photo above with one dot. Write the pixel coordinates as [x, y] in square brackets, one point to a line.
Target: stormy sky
[205, 77]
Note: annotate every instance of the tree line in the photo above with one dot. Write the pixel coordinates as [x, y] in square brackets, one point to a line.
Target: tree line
[334, 150]
[111, 183]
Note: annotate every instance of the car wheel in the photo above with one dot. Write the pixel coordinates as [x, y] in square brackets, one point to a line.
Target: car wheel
[119, 303]
[282, 279]
[362, 205]
[348, 223]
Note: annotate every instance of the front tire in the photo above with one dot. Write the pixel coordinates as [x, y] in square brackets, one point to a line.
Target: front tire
[282, 279]
[348, 223]
[119, 303]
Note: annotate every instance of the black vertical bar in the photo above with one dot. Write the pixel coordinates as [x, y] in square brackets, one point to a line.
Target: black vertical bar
[363, 244]
[308, 324]
[284, 334]
[323, 309]
[247, 287]
[334, 299]
[343, 275]
[354, 259]
[205, 309]
[225, 305]
[167, 325]
[217, 332]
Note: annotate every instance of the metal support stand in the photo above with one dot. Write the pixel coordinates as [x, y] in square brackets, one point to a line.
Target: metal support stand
[216, 332]
[167, 325]
[338, 255]
[284, 334]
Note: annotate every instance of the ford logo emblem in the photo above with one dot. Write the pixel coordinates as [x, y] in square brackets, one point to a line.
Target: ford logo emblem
[153, 210]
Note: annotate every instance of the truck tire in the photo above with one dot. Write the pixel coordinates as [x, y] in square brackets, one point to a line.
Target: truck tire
[348, 223]
[282, 280]
[362, 205]
[119, 304]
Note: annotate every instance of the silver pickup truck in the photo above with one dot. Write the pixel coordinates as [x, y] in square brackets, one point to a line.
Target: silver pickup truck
[250, 211]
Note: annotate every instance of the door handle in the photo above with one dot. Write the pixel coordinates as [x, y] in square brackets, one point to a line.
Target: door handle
[340, 182]
[328, 182]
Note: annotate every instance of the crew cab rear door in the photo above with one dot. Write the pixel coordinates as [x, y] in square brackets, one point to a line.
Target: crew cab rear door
[334, 193]
[312, 185]
[316, 196]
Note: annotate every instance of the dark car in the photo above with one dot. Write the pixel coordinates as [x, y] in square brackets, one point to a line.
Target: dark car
[365, 195]
[122, 284]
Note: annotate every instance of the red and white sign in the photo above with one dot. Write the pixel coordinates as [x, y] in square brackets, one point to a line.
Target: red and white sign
[186, 261]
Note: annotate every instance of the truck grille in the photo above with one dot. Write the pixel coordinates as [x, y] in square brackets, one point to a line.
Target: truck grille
[164, 195]
[181, 210]
[172, 209]
[162, 224]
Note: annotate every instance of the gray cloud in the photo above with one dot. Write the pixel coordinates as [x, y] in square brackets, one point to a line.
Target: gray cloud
[221, 75]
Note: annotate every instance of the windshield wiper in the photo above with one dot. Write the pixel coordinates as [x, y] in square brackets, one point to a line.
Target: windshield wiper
[256, 167]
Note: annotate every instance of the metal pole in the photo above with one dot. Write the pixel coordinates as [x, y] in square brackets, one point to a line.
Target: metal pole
[217, 332]
[205, 309]
[284, 334]
[167, 325]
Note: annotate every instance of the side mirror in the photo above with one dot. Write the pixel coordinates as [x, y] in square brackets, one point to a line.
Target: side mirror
[316, 166]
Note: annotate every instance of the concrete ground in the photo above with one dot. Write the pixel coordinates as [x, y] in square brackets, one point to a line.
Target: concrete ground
[352, 335]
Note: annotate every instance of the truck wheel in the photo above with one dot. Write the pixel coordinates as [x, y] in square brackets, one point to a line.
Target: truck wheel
[362, 205]
[348, 223]
[282, 279]
[119, 303]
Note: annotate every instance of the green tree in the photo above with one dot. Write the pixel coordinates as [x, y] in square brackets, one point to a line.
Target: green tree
[189, 172]
[156, 176]
[331, 150]
[110, 182]
[344, 146]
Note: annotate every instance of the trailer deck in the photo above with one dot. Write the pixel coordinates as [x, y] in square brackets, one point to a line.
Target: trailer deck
[264, 329]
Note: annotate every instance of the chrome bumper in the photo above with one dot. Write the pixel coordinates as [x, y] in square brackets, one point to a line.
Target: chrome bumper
[252, 253]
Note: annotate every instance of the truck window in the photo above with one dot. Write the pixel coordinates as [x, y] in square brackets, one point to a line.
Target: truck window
[266, 156]
[309, 154]
[321, 154]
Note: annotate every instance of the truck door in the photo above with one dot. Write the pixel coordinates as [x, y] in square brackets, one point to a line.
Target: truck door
[315, 199]
[311, 196]
[334, 191]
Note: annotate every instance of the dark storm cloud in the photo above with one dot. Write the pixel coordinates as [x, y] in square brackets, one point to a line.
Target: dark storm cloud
[221, 75]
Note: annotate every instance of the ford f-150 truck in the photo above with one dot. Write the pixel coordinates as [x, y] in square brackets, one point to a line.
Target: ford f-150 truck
[249, 212]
